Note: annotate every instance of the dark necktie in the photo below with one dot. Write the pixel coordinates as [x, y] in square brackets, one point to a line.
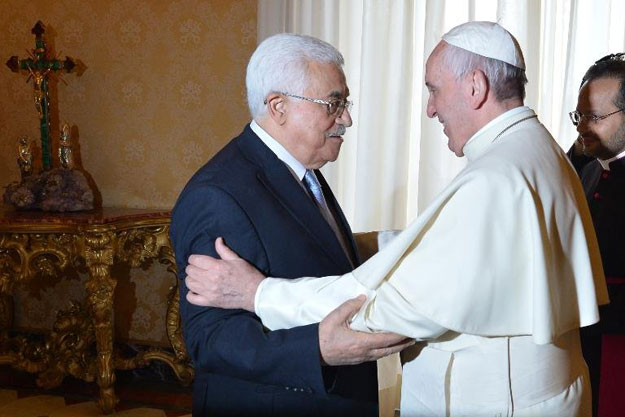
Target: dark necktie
[314, 188]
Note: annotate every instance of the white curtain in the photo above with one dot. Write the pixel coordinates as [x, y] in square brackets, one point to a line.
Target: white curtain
[394, 159]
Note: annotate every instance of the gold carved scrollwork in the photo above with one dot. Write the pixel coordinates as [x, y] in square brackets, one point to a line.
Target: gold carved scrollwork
[25, 354]
[70, 347]
[66, 350]
[100, 287]
[26, 255]
[174, 328]
[138, 246]
[182, 369]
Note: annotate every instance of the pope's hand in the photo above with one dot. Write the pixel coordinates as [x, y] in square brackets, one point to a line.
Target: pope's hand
[229, 282]
[340, 345]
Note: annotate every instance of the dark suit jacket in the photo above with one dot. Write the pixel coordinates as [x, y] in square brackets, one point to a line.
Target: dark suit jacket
[605, 193]
[248, 196]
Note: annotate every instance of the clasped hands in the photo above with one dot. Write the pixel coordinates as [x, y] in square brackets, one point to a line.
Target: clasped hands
[231, 283]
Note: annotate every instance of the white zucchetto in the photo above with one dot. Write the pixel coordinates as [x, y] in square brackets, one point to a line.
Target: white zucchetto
[487, 39]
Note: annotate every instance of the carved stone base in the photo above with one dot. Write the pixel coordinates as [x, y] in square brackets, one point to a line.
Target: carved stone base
[55, 190]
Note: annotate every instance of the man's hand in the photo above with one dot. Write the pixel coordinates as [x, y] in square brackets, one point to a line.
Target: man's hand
[229, 282]
[340, 345]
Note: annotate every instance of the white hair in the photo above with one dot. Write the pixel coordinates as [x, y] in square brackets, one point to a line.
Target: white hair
[507, 81]
[280, 64]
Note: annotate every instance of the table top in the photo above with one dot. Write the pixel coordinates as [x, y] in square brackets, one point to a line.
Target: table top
[115, 217]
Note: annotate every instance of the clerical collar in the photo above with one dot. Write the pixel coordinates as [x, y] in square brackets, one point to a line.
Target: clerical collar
[296, 167]
[493, 129]
[605, 163]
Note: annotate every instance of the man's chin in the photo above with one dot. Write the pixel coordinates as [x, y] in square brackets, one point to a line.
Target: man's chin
[335, 144]
[457, 152]
[591, 149]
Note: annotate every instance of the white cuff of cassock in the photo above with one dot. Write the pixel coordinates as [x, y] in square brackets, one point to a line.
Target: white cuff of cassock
[286, 303]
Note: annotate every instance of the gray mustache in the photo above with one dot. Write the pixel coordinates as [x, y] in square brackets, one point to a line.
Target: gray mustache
[339, 132]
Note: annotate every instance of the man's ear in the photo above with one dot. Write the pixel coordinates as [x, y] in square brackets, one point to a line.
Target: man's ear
[277, 108]
[479, 88]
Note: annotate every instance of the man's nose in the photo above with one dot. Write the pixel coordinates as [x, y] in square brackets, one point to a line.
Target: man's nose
[430, 110]
[582, 126]
[345, 118]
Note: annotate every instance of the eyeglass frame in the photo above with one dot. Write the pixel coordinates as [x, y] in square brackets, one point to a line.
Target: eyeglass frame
[343, 104]
[594, 118]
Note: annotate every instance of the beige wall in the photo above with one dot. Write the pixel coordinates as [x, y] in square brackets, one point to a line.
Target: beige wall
[163, 91]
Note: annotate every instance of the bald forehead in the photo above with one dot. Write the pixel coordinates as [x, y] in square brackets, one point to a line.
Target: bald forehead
[432, 66]
[436, 52]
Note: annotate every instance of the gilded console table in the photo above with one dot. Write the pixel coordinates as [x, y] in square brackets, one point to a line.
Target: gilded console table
[36, 244]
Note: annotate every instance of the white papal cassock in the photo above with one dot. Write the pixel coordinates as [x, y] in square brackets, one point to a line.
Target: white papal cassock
[494, 279]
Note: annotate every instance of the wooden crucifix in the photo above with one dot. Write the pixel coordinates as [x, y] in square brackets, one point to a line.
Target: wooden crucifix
[38, 67]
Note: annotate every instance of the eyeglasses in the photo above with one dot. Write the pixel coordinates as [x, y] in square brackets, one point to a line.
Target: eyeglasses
[576, 116]
[334, 107]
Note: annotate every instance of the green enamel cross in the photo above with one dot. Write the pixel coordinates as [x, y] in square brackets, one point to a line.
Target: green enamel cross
[39, 67]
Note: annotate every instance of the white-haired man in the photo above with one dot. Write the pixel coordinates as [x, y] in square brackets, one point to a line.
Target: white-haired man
[264, 193]
[494, 279]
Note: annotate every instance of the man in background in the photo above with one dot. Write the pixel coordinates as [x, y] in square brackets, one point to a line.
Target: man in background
[600, 121]
[263, 193]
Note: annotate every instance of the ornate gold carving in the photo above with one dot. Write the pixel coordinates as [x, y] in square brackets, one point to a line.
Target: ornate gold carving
[26, 355]
[182, 369]
[174, 328]
[100, 290]
[40, 93]
[25, 156]
[65, 148]
[65, 351]
[139, 246]
[68, 348]
[26, 255]
[22, 257]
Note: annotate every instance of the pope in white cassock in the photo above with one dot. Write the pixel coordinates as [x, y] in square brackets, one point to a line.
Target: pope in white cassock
[493, 280]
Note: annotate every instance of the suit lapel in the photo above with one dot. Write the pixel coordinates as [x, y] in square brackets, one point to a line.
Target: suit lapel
[279, 181]
[340, 219]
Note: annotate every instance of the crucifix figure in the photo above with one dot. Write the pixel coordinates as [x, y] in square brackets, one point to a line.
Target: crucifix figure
[39, 67]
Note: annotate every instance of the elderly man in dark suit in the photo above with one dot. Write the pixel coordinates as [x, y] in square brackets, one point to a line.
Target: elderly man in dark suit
[264, 194]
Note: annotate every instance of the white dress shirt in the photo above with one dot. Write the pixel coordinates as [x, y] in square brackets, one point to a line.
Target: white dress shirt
[298, 170]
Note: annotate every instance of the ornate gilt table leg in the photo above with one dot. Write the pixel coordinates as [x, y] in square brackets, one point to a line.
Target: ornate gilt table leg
[100, 290]
[174, 331]
[8, 272]
[6, 304]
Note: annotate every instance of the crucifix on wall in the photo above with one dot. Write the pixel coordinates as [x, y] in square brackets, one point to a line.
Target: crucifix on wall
[61, 188]
[39, 67]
